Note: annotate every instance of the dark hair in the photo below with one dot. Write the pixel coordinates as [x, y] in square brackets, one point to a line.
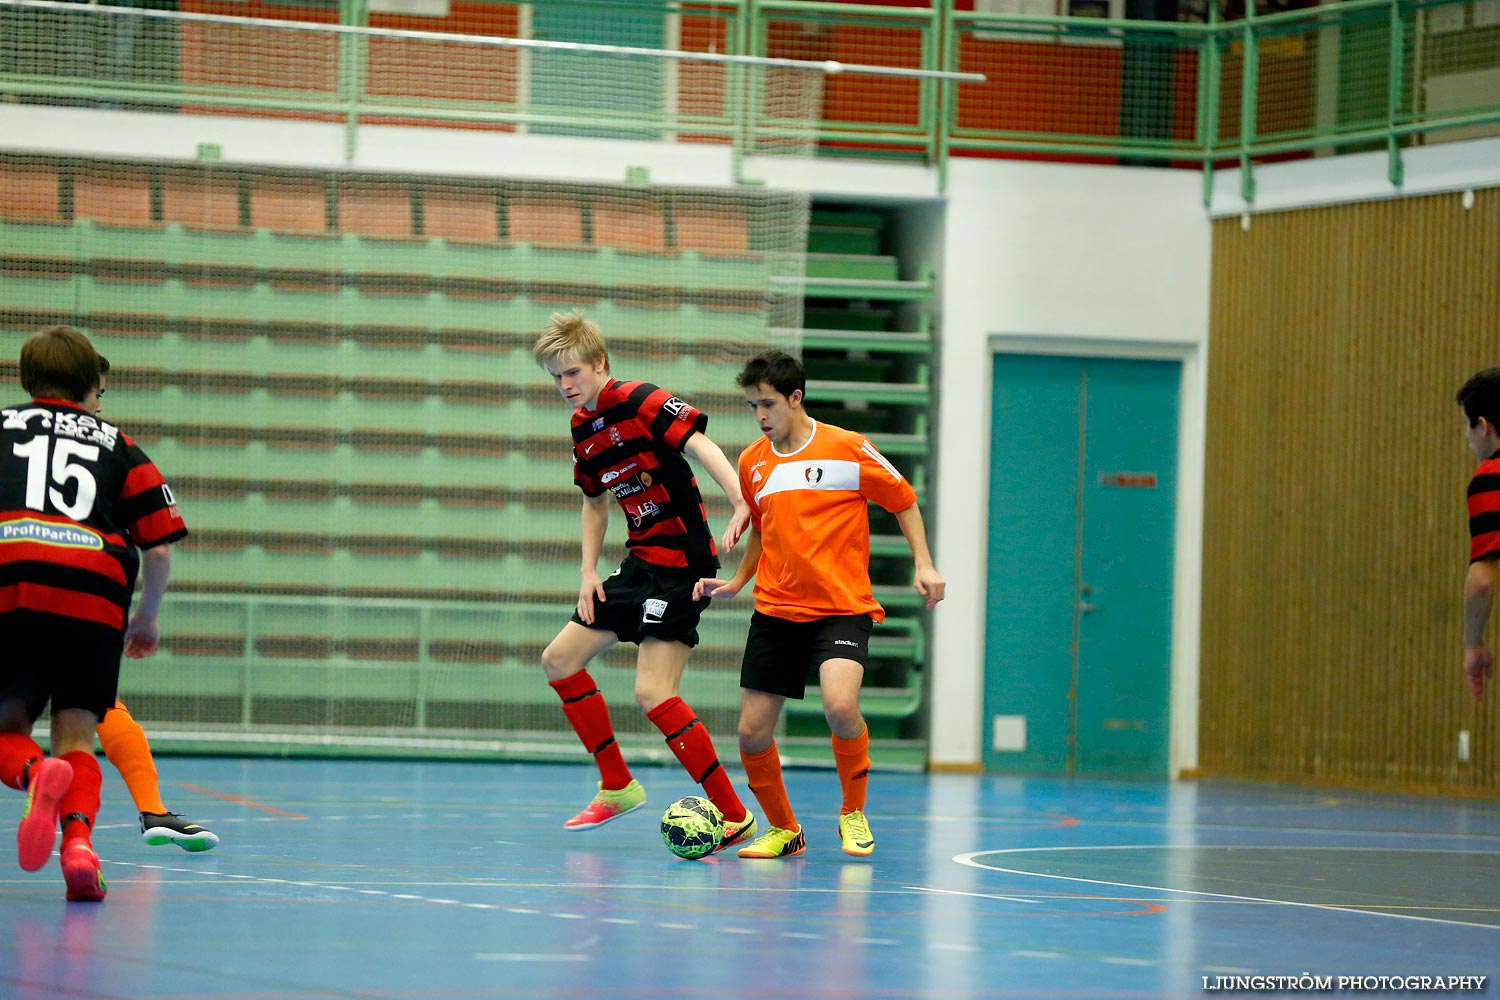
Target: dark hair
[58, 362]
[1480, 396]
[776, 369]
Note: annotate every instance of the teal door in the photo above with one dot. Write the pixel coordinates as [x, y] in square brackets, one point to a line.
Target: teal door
[1078, 626]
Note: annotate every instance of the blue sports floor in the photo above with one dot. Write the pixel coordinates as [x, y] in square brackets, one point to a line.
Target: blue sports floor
[426, 881]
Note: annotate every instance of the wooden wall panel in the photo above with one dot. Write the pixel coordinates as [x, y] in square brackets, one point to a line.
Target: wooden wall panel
[1335, 538]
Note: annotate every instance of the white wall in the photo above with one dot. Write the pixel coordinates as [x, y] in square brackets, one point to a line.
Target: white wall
[1059, 259]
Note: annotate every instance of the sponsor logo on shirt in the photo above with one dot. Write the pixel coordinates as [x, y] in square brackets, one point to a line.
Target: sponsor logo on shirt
[757, 477]
[64, 423]
[599, 424]
[67, 536]
[677, 408]
[614, 474]
[846, 642]
[623, 490]
[653, 610]
[638, 515]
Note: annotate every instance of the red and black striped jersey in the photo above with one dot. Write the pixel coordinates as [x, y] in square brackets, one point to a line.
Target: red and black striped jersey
[1484, 510]
[77, 499]
[632, 446]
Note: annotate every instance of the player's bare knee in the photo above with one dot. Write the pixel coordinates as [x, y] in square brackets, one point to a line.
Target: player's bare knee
[755, 739]
[650, 696]
[842, 712]
[558, 662]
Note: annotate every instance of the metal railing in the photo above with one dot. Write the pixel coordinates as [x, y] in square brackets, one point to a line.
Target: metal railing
[1357, 75]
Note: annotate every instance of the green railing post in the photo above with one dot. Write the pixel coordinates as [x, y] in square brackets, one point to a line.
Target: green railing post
[1249, 93]
[354, 54]
[1395, 75]
[1209, 95]
[947, 112]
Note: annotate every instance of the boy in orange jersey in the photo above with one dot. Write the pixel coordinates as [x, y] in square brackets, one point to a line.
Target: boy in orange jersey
[1480, 399]
[82, 512]
[629, 439]
[809, 486]
[125, 744]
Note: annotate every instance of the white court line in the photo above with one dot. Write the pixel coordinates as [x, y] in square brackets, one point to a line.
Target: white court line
[968, 859]
[976, 895]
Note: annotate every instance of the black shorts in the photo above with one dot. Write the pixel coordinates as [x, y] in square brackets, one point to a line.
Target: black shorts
[780, 655]
[654, 602]
[70, 662]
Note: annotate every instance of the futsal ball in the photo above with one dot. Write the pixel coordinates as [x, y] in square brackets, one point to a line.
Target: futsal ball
[692, 827]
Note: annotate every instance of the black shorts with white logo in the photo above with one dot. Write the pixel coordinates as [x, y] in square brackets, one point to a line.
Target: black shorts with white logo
[654, 602]
[780, 655]
[68, 661]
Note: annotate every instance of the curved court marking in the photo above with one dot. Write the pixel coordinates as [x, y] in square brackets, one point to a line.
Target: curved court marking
[969, 860]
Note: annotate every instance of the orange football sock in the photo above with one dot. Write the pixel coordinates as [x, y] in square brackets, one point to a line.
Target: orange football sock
[124, 743]
[763, 775]
[852, 757]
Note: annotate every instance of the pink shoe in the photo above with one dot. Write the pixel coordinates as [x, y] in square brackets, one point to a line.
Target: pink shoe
[608, 805]
[50, 778]
[81, 871]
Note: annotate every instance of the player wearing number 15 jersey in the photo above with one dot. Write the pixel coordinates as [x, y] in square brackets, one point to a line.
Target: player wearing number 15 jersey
[77, 500]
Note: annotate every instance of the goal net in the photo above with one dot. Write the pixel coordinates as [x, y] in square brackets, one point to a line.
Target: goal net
[316, 256]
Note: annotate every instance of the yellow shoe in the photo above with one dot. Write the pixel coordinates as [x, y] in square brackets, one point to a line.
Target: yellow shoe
[776, 843]
[607, 805]
[855, 831]
[737, 833]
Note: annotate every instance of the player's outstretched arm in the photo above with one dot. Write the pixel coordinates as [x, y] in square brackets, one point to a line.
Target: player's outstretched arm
[927, 581]
[717, 465]
[749, 563]
[595, 524]
[142, 636]
[1479, 598]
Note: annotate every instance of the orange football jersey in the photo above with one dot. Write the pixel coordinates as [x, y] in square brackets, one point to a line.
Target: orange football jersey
[811, 509]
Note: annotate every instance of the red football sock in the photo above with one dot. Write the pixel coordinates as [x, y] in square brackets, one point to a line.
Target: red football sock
[589, 715]
[80, 804]
[17, 752]
[694, 748]
[763, 773]
[852, 758]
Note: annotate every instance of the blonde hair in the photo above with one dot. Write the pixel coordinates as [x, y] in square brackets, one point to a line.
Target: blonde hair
[571, 337]
[58, 362]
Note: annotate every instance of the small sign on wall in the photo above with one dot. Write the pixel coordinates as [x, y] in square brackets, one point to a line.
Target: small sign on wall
[1008, 732]
[417, 8]
[1129, 480]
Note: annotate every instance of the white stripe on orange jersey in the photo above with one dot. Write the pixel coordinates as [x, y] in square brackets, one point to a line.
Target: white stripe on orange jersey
[811, 475]
[869, 449]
